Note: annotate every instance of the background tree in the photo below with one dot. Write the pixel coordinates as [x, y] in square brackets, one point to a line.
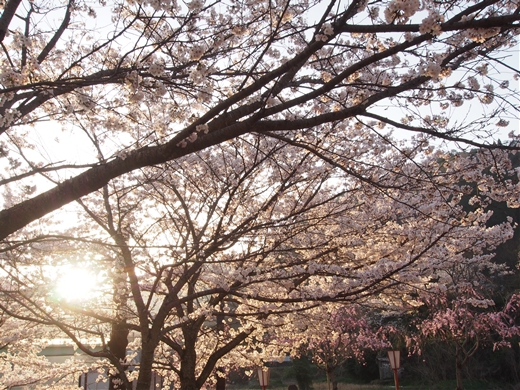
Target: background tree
[466, 321]
[26, 337]
[339, 336]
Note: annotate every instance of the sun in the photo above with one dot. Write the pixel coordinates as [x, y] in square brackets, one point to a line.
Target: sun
[76, 284]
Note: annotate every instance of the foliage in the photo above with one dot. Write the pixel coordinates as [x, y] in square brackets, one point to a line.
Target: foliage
[354, 371]
[302, 370]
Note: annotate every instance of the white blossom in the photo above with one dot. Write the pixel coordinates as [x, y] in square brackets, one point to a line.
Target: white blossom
[156, 70]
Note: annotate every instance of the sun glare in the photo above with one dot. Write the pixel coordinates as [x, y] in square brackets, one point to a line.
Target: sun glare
[76, 284]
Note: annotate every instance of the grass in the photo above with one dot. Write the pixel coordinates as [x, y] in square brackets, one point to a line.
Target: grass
[444, 385]
[353, 386]
[322, 386]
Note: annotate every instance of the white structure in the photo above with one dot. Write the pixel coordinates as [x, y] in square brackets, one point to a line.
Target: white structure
[93, 380]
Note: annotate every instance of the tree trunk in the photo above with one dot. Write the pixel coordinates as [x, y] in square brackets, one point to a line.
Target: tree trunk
[459, 366]
[144, 379]
[221, 381]
[117, 346]
[187, 377]
[189, 384]
[332, 381]
[328, 377]
[189, 359]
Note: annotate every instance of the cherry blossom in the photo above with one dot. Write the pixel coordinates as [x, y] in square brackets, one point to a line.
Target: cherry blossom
[335, 335]
[461, 316]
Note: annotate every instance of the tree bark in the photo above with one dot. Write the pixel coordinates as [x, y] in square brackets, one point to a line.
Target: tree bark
[117, 345]
[9, 10]
[332, 380]
[189, 358]
[221, 381]
[144, 379]
[459, 366]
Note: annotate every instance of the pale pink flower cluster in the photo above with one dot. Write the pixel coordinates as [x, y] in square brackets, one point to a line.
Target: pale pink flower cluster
[456, 99]
[287, 16]
[481, 303]
[198, 74]
[193, 136]
[239, 31]
[328, 29]
[482, 69]
[432, 69]
[432, 24]
[373, 13]
[401, 10]
[137, 97]
[473, 83]
[9, 117]
[272, 101]
[322, 37]
[196, 5]
[488, 98]
[157, 5]
[156, 70]
[85, 101]
[502, 123]
[196, 52]
[161, 89]
[482, 34]
[10, 78]
[20, 40]
[409, 36]
[123, 154]
[205, 94]
[326, 76]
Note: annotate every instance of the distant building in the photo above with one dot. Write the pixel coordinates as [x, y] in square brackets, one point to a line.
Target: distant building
[94, 379]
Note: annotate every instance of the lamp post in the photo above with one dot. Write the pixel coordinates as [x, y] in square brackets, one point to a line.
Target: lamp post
[395, 363]
[263, 377]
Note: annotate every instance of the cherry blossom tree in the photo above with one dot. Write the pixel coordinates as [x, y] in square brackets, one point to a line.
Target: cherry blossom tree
[237, 166]
[251, 244]
[467, 320]
[340, 335]
[154, 81]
